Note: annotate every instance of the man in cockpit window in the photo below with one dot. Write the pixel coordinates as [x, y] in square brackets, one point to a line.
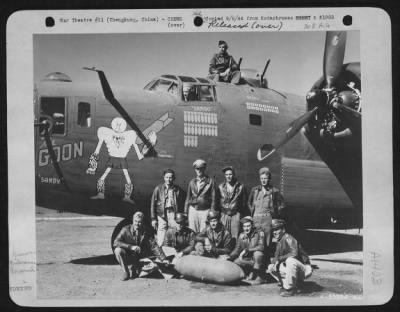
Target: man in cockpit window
[222, 65]
[188, 92]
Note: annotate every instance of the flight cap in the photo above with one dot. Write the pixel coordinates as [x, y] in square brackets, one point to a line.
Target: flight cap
[199, 163]
[213, 214]
[277, 224]
[180, 218]
[246, 219]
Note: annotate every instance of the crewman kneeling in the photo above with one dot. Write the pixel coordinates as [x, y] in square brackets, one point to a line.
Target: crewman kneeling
[291, 265]
[220, 239]
[180, 238]
[134, 243]
[249, 251]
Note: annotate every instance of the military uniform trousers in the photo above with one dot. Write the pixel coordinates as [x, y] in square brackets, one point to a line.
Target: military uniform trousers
[255, 262]
[263, 222]
[231, 223]
[197, 219]
[127, 257]
[163, 225]
[292, 272]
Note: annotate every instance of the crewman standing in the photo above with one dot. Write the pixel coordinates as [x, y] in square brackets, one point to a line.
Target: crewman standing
[265, 203]
[166, 202]
[200, 197]
[233, 201]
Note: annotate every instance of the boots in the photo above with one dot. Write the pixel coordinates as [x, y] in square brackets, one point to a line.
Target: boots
[251, 276]
[128, 193]
[258, 279]
[125, 276]
[100, 190]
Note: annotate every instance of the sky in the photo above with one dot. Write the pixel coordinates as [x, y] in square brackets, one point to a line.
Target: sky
[132, 60]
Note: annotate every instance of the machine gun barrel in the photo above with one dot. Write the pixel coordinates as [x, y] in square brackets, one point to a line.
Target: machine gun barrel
[265, 69]
[239, 63]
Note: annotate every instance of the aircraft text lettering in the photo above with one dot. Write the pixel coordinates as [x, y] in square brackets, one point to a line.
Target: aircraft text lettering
[63, 153]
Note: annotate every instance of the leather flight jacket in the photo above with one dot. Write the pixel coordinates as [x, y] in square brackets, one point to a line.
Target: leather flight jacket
[201, 199]
[157, 205]
[129, 237]
[222, 244]
[253, 242]
[182, 241]
[288, 246]
[232, 203]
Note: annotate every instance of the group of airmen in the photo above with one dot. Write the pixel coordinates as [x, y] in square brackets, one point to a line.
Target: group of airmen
[217, 221]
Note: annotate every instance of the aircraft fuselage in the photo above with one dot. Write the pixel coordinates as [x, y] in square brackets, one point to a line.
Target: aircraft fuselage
[224, 129]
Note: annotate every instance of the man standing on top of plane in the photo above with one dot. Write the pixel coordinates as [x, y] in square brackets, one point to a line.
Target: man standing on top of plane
[166, 202]
[222, 65]
[265, 203]
[200, 197]
[233, 201]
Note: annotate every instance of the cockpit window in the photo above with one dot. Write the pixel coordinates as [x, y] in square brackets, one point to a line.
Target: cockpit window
[198, 93]
[207, 93]
[187, 79]
[173, 89]
[169, 77]
[161, 85]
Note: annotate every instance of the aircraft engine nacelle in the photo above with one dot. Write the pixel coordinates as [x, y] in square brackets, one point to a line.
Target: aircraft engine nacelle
[349, 98]
[253, 77]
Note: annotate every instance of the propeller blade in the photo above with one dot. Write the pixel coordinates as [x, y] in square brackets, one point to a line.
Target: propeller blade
[347, 109]
[335, 45]
[267, 149]
[114, 102]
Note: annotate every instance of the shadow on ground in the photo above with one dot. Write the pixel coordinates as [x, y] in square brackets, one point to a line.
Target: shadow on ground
[96, 260]
[309, 287]
[320, 242]
[62, 202]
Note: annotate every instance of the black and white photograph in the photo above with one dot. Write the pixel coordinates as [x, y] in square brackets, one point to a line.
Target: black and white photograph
[216, 167]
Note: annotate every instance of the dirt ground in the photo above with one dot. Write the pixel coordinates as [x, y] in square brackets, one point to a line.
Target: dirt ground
[75, 261]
